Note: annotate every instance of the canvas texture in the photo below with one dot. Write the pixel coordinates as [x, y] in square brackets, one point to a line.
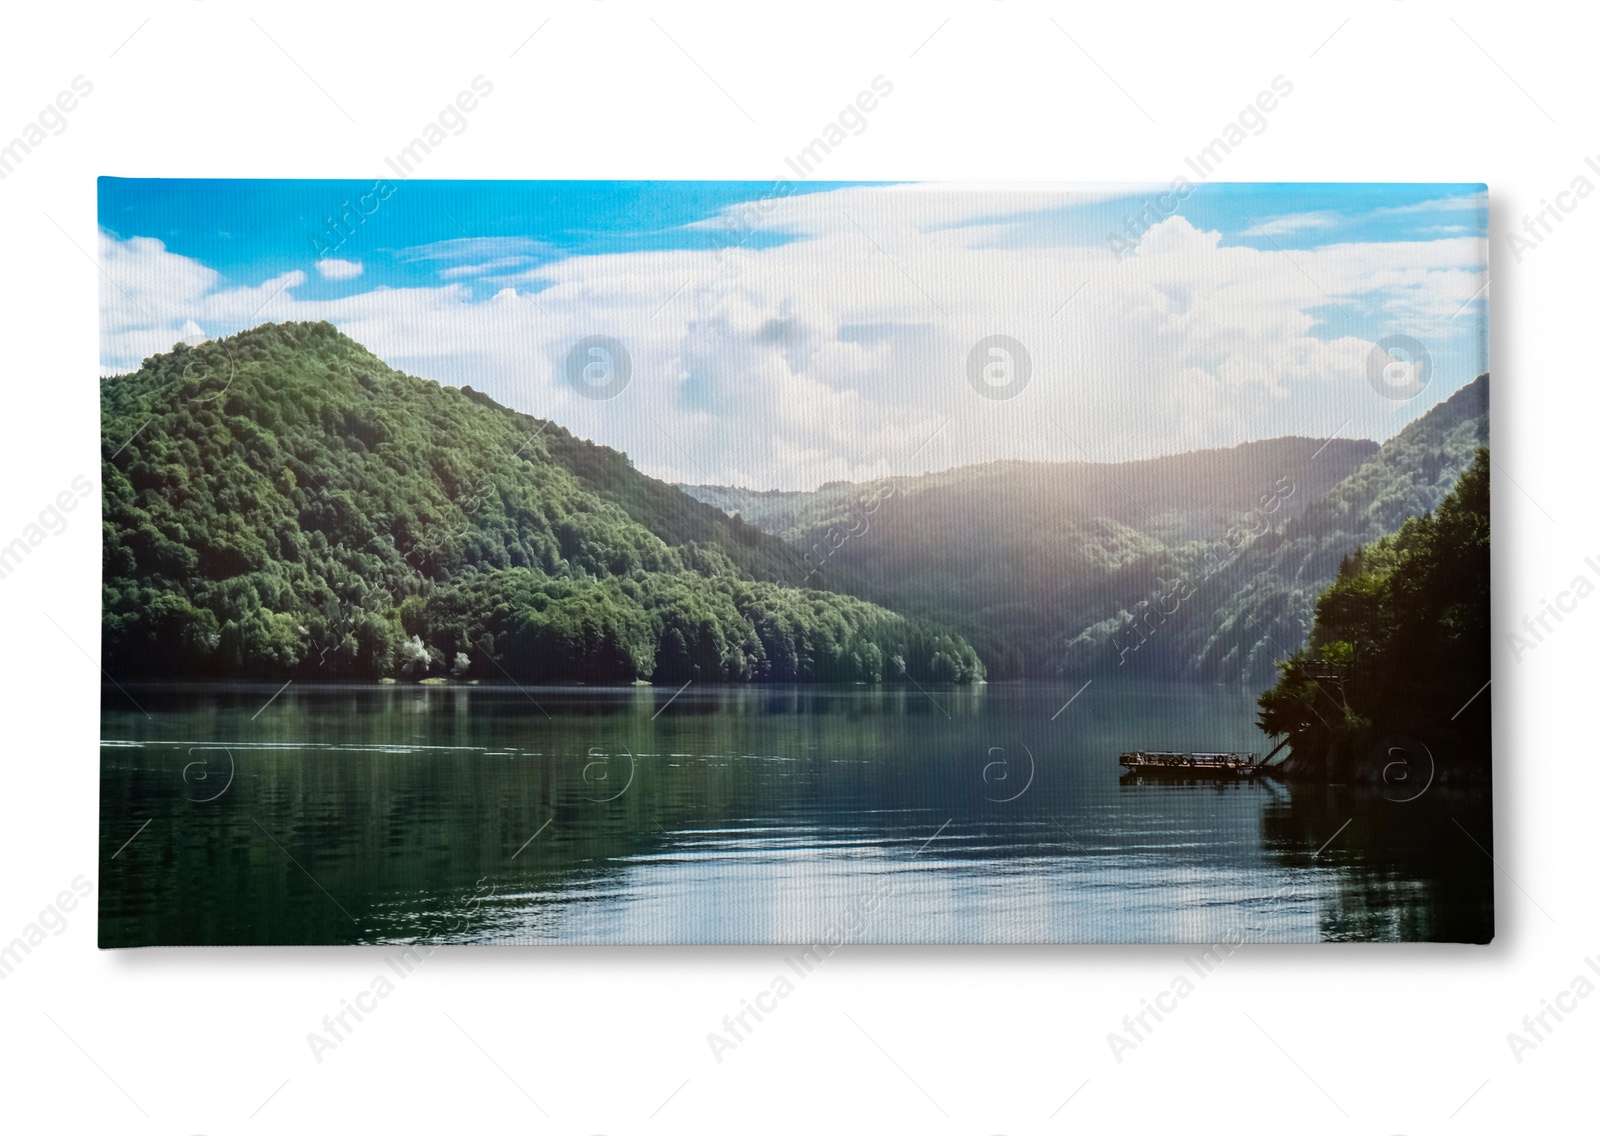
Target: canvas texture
[794, 563]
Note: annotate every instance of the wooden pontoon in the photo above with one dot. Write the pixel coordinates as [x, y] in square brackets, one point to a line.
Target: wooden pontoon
[1181, 766]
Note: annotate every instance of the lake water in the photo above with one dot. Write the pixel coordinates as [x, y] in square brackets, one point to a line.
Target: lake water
[747, 815]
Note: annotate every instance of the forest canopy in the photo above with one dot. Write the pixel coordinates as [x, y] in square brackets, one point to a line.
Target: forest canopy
[1399, 653]
[282, 504]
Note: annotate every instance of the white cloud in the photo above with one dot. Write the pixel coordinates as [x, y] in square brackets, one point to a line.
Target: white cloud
[151, 298]
[332, 268]
[1296, 223]
[840, 354]
[1461, 202]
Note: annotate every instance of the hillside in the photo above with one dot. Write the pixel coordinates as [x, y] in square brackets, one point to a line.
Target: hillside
[1170, 499]
[281, 503]
[1260, 605]
[1398, 655]
[1204, 565]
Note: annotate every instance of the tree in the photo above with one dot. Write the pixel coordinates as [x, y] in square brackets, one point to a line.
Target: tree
[1400, 647]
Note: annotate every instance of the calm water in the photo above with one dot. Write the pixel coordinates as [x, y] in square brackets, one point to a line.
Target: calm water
[746, 815]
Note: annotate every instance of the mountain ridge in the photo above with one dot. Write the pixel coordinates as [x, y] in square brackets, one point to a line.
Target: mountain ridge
[1053, 569]
[281, 503]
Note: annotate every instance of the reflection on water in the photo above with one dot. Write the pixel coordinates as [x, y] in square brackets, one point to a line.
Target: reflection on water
[746, 814]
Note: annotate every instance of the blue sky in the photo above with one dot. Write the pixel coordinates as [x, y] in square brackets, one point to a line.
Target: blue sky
[253, 230]
[821, 331]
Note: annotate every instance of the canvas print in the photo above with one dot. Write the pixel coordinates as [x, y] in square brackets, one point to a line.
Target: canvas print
[794, 562]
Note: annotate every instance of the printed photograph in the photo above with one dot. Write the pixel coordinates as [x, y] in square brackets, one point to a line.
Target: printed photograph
[793, 562]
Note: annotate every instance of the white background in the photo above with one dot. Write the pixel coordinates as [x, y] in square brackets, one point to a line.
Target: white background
[1380, 1039]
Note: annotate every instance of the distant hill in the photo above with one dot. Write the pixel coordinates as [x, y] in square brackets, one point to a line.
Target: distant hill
[1261, 606]
[1171, 499]
[281, 504]
[1203, 565]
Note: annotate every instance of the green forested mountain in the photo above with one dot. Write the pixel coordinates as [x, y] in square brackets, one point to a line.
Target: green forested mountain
[1167, 499]
[1399, 654]
[1260, 605]
[281, 503]
[1204, 565]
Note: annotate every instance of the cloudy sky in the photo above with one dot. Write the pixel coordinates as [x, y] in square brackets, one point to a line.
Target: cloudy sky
[781, 336]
